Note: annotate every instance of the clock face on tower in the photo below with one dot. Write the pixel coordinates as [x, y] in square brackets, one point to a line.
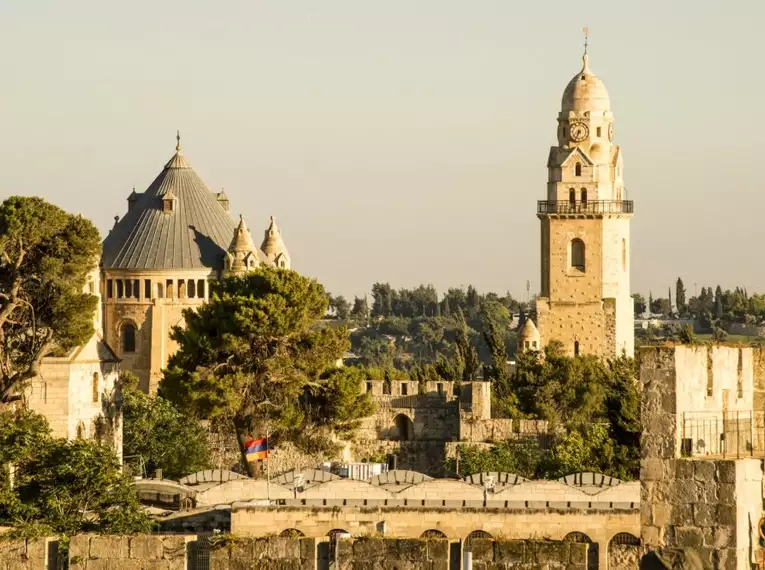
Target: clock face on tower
[579, 132]
[610, 131]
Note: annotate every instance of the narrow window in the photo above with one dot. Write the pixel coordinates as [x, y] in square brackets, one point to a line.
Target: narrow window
[440, 388]
[91, 287]
[526, 344]
[120, 289]
[572, 198]
[192, 288]
[576, 348]
[624, 254]
[577, 254]
[578, 169]
[201, 288]
[182, 289]
[534, 344]
[584, 197]
[404, 389]
[169, 288]
[95, 388]
[598, 131]
[109, 290]
[136, 288]
[147, 288]
[128, 337]
[369, 386]
[80, 430]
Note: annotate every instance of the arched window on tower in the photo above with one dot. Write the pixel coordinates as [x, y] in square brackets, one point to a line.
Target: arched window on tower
[572, 198]
[576, 255]
[128, 337]
[578, 169]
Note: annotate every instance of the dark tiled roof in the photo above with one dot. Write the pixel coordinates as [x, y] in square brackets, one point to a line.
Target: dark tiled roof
[194, 235]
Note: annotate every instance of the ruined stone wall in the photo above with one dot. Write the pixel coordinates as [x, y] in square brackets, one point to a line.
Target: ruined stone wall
[94, 552]
[273, 553]
[528, 555]
[24, 554]
[384, 554]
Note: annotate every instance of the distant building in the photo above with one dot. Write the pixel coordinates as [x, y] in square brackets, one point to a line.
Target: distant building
[585, 220]
[159, 259]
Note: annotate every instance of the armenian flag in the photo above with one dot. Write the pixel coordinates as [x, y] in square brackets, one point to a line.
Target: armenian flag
[256, 449]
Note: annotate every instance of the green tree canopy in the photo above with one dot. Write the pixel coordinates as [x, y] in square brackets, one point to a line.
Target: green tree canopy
[62, 486]
[45, 257]
[160, 434]
[254, 355]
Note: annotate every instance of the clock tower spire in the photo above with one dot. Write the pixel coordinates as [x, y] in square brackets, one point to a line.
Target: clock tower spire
[585, 300]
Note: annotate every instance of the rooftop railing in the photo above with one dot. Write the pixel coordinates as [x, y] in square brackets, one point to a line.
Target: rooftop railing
[584, 207]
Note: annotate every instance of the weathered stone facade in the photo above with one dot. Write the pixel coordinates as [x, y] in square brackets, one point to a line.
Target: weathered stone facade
[94, 552]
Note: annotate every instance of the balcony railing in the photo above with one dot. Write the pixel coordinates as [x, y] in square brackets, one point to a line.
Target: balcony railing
[584, 207]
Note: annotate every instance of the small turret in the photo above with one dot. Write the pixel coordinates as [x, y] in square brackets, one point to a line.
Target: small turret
[274, 247]
[529, 338]
[242, 254]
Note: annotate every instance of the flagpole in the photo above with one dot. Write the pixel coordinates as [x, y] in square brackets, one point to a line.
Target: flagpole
[268, 465]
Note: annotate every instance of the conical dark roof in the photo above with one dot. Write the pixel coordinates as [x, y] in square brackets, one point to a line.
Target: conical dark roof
[193, 235]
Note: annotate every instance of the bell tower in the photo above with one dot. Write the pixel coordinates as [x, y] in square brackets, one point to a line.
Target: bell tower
[585, 300]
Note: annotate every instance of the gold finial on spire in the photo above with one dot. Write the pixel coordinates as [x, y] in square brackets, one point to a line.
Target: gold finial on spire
[178, 140]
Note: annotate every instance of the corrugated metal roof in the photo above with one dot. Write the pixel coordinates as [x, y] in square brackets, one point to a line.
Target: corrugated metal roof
[194, 235]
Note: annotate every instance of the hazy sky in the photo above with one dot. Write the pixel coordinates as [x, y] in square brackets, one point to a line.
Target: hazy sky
[397, 140]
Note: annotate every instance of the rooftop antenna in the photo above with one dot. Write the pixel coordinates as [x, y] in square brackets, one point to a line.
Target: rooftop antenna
[586, 31]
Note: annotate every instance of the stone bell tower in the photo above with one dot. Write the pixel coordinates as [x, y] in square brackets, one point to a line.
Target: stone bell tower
[585, 297]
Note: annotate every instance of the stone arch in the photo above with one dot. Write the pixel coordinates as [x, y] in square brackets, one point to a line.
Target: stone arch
[404, 428]
[332, 534]
[292, 533]
[128, 335]
[577, 255]
[432, 533]
[475, 535]
[592, 549]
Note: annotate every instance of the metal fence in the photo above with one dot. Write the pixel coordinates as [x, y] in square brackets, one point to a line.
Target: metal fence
[724, 434]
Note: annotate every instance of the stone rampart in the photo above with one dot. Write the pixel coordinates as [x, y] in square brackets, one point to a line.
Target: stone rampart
[385, 554]
[94, 552]
[528, 555]
[25, 554]
[273, 553]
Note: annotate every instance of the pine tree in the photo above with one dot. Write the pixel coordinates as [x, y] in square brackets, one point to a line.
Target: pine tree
[718, 303]
[669, 299]
[682, 308]
[650, 302]
[446, 310]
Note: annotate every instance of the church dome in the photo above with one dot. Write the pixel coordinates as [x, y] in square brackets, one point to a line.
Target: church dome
[585, 92]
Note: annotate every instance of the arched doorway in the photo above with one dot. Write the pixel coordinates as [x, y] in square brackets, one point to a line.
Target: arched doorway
[623, 551]
[475, 535]
[404, 428]
[592, 550]
[291, 533]
[432, 533]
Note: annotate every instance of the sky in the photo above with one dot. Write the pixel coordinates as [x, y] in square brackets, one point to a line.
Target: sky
[402, 141]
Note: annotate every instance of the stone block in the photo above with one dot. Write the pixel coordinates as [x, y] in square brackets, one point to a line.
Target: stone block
[368, 547]
[483, 549]
[406, 549]
[726, 515]
[438, 549]
[146, 547]
[282, 548]
[240, 548]
[685, 492]
[681, 515]
[509, 551]
[726, 493]
[660, 514]
[258, 548]
[549, 552]
[704, 471]
[578, 553]
[723, 537]
[308, 548]
[726, 471]
[651, 535]
[36, 550]
[160, 565]
[652, 469]
[689, 536]
[114, 547]
[173, 547]
[704, 514]
[79, 547]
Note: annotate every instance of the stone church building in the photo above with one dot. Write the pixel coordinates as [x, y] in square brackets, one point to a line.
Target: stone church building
[585, 299]
[160, 258]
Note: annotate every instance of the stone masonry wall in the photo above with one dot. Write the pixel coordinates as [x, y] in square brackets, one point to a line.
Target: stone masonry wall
[24, 554]
[399, 554]
[528, 555]
[92, 552]
[275, 553]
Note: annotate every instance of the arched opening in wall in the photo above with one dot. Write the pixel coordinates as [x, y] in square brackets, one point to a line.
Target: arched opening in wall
[576, 255]
[96, 392]
[192, 288]
[80, 430]
[201, 288]
[182, 289]
[136, 290]
[127, 335]
[592, 550]
[572, 198]
[120, 289]
[475, 535]
[291, 533]
[404, 428]
[432, 533]
[624, 551]
[584, 197]
[578, 169]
